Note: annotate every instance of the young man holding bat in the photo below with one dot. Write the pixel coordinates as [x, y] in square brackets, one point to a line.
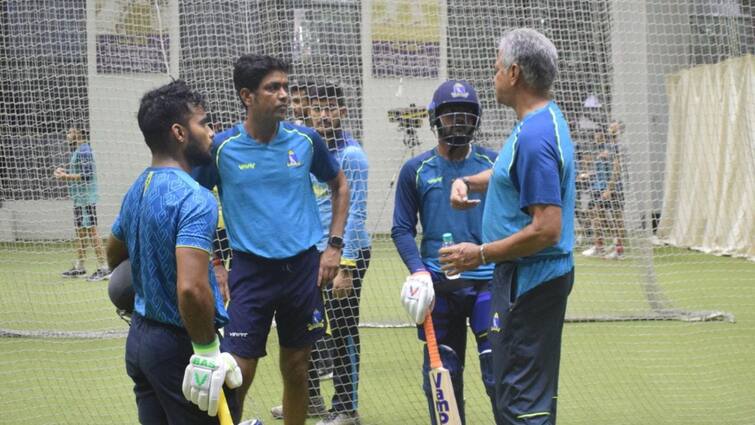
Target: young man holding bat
[423, 188]
[166, 226]
[528, 232]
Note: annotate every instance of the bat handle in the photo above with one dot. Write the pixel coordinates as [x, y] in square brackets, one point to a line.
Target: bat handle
[224, 414]
[432, 343]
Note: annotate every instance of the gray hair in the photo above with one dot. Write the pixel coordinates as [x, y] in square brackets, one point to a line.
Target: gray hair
[534, 53]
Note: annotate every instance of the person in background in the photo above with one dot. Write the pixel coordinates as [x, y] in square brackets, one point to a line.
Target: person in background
[81, 176]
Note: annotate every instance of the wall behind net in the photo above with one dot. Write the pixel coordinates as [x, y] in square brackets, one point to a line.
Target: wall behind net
[88, 62]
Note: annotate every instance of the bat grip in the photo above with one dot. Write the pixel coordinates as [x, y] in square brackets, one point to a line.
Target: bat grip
[432, 343]
[224, 414]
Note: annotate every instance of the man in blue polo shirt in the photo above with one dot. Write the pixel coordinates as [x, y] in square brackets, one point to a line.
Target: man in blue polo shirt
[528, 232]
[165, 227]
[327, 107]
[422, 191]
[262, 168]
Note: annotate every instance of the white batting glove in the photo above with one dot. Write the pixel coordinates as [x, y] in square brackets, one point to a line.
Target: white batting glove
[417, 296]
[204, 376]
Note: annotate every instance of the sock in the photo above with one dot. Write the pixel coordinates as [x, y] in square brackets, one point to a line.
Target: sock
[79, 265]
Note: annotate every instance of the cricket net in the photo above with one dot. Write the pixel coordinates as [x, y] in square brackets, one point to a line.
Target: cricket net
[659, 99]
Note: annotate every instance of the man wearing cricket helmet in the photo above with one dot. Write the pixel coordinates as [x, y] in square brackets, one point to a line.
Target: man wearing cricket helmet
[423, 190]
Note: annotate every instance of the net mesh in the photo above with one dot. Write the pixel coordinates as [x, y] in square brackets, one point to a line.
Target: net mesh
[648, 87]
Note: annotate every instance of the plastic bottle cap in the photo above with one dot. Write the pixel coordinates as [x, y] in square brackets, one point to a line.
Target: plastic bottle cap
[447, 237]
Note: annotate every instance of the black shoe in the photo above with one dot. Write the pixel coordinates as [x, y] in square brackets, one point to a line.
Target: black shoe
[101, 274]
[74, 272]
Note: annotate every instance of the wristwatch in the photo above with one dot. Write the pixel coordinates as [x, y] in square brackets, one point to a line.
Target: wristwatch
[336, 242]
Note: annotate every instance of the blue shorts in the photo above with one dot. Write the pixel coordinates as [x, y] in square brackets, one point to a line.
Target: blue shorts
[525, 333]
[262, 288]
[85, 216]
[156, 357]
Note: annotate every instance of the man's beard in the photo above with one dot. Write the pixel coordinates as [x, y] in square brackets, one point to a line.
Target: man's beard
[195, 154]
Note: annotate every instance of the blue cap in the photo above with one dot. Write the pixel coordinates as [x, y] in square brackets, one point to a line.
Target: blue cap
[453, 91]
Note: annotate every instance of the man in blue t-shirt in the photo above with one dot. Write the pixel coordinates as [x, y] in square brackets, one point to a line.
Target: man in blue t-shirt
[81, 177]
[325, 109]
[166, 226]
[528, 232]
[262, 168]
[423, 189]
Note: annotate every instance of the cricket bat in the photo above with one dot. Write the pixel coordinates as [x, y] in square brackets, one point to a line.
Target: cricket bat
[224, 414]
[444, 400]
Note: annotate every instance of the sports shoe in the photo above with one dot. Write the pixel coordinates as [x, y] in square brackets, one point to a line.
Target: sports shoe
[616, 253]
[341, 418]
[100, 274]
[593, 251]
[325, 375]
[74, 272]
[316, 409]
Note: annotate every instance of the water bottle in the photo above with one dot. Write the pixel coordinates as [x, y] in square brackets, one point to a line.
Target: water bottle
[448, 240]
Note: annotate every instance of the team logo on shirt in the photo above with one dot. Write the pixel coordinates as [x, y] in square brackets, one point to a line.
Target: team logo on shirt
[459, 91]
[435, 180]
[316, 321]
[496, 327]
[293, 161]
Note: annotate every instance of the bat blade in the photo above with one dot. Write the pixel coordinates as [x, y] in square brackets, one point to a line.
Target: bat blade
[444, 399]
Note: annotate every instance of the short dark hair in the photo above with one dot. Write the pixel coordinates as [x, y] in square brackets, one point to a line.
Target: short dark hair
[250, 69]
[82, 131]
[327, 90]
[162, 107]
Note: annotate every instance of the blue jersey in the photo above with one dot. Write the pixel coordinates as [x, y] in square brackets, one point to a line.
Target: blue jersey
[535, 167]
[352, 160]
[83, 192]
[265, 189]
[163, 210]
[424, 188]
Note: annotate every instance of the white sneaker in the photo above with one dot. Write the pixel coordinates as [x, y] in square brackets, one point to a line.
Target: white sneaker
[593, 251]
[316, 409]
[342, 418]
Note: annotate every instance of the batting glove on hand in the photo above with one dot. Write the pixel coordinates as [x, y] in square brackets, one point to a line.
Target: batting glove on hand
[417, 296]
[204, 376]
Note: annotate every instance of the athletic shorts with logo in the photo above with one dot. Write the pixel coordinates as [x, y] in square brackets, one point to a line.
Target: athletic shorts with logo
[263, 288]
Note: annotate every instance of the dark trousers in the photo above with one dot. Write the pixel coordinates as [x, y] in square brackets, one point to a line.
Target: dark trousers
[156, 357]
[526, 338]
[343, 317]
